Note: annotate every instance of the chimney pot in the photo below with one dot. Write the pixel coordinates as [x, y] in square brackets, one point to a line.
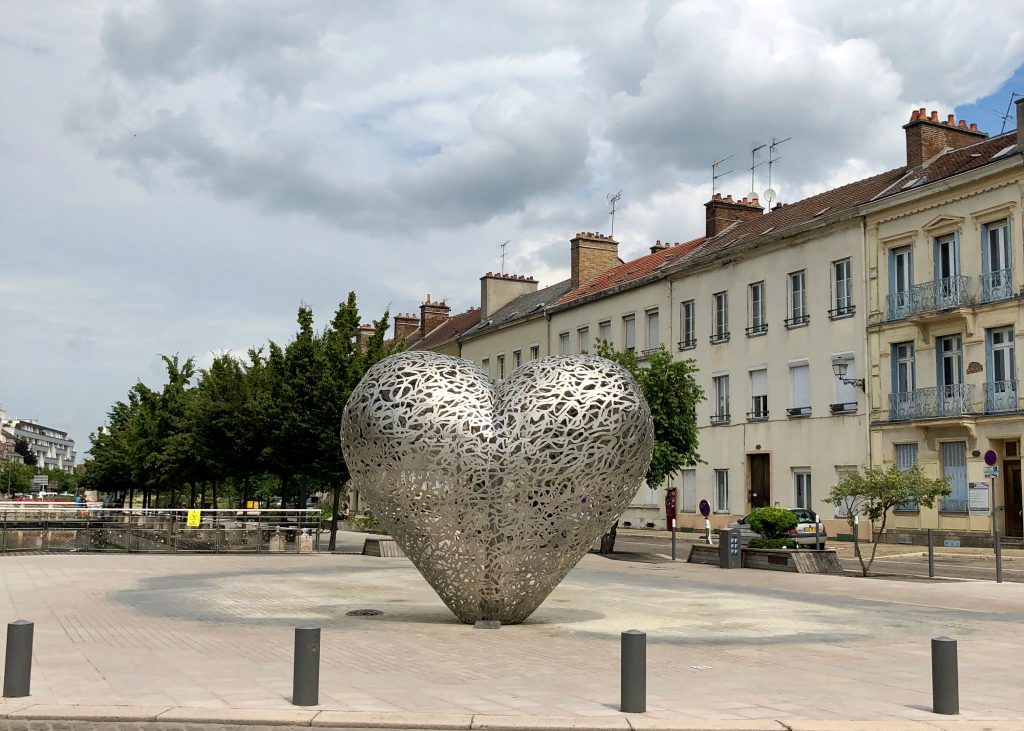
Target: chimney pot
[962, 125]
[974, 127]
[951, 119]
[935, 116]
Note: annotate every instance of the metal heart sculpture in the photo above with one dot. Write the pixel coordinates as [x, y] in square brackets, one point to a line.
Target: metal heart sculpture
[495, 491]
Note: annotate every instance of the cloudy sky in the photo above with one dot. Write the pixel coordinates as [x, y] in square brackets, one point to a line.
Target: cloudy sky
[178, 176]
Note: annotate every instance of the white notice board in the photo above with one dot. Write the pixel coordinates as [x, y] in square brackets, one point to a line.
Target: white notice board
[977, 498]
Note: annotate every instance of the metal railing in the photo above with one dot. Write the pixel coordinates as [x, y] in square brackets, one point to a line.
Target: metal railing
[1001, 396]
[74, 528]
[997, 285]
[925, 403]
[941, 294]
[953, 505]
[899, 305]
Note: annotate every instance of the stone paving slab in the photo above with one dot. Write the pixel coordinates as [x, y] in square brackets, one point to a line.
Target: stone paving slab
[264, 716]
[85, 713]
[354, 719]
[547, 723]
[216, 632]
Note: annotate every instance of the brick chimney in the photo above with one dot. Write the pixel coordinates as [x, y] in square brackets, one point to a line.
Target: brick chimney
[1020, 125]
[363, 335]
[406, 324]
[432, 315]
[927, 136]
[658, 246]
[592, 254]
[497, 290]
[721, 213]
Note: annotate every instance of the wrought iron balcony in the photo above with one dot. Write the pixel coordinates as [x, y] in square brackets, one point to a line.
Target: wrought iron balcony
[928, 403]
[1001, 396]
[942, 294]
[997, 285]
[719, 419]
[755, 330]
[953, 505]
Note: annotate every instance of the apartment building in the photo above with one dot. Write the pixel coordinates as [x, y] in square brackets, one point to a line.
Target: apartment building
[53, 448]
[946, 264]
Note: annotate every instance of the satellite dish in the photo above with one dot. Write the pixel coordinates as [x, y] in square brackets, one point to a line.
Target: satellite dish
[752, 195]
[770, 195]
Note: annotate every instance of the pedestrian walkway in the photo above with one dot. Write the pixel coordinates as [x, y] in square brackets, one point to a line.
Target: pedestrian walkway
[215, 632]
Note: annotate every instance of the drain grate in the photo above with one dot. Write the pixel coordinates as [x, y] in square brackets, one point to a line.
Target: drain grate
[363, 613]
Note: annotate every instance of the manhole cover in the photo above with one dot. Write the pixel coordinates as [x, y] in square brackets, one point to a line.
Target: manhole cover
[363, 613]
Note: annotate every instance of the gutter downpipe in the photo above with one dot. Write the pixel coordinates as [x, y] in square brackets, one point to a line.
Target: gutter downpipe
[866, 343]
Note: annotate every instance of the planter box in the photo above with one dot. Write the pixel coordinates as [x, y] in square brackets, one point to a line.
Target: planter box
[793, 561]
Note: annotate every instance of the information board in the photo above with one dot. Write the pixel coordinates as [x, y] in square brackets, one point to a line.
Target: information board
[194, 518]
[977, 498]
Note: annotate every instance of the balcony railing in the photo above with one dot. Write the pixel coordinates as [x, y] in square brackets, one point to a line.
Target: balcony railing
[928, 403]
[755, 330]
[1001, 396]
[997, 285]
[719, 419]
[719, 337]
[797, 320]
[953, 505]
[942, 294]
[687, 343]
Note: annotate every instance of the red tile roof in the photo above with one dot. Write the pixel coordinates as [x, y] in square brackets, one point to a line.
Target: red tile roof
[631, 271]
[956, 161]
[450, 328]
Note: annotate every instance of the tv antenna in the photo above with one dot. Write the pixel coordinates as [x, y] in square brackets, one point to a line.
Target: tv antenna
[754, 165]
[1006, 116]
[503, 254]
[772, 158]
[613, 199]
[715, 175]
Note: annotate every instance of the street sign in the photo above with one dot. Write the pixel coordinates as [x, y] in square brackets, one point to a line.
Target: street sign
[992, 471]
[705, 508]
[40, 480]
[991, 457]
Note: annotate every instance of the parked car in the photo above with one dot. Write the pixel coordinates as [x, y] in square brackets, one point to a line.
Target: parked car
[803, 534]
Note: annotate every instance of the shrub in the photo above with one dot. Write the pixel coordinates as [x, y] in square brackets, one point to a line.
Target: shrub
[772, 522]
[772, 543]
[366, 524]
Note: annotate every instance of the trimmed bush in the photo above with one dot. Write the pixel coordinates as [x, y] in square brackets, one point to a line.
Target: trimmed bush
[772, 522]
[772, 543]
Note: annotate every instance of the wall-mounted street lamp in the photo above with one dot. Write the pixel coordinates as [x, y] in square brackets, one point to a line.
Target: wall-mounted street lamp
[839, 367]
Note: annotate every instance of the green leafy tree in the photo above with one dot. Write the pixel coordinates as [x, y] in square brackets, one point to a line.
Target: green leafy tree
[773, 525]
[15, 477]
[21, 447]
[875, 491]
[672, 392]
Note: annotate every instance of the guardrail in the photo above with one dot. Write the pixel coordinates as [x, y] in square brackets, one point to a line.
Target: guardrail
[73, 528]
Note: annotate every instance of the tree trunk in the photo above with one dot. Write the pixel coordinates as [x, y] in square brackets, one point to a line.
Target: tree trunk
[215, 494]
[336, 504]
[131, 496]
[192, 495]
[608, 539]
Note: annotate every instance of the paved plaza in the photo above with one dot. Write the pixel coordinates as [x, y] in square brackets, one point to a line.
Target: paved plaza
[215, 632]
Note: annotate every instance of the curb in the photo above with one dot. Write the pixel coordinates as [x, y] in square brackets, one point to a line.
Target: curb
[298, 717]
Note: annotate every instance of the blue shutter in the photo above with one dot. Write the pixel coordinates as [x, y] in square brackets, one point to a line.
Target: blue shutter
[939, 380]
[892, 271]
[892, 361]
[989, 361]
[956, 253]
[986, 260]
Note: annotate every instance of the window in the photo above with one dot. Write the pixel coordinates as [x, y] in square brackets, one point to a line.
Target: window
[720, 325]
[534, 352]
[904, 379]
[689, 337]
[501, 365]
[629, 332]
[800, 382]
[1001, 386]
[689, 491]
[517, 358]
[758, 323]
[563, 344]
[802, 488]
[842, 290]
[951, 361]
[486, 365]
[997, 277]
[653, 333]
[721, 403]
[758, 394]
[954, 469]
[906, 457]
[951, 290]
[846, 393]
[721, 491]
[583, 339]
[604, 331]
[901, 279]
[797, 300]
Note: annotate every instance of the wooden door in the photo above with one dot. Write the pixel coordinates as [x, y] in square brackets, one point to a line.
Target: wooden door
[1012, 499]
[760, 480]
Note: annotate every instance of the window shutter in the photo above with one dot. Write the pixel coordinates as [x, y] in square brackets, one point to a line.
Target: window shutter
[846, 393]
[759, 383]
[801, 386]
[689, 491]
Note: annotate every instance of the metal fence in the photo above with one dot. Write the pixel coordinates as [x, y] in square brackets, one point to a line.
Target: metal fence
[66, 527]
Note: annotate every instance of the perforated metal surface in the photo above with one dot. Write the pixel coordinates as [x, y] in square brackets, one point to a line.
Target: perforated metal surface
[495, 491]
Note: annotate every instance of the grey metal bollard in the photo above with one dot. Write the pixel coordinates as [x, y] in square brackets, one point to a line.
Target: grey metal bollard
[673, 539]
[18, 664]
[306, 674]
[634, 672]
[945, 681]
[931, 556]
[999, 557]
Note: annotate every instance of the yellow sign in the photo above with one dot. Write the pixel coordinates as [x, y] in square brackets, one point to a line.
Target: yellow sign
[193, 518]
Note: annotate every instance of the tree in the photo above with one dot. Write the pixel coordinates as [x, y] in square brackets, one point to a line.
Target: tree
[773, 525]
[21, 447]
[672, 392]
[875, 491]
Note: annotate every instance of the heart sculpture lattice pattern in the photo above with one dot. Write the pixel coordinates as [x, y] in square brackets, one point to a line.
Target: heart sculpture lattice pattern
[495, 491]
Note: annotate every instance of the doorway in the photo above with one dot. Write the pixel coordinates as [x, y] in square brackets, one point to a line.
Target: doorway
[1012, 499]
[759, 468]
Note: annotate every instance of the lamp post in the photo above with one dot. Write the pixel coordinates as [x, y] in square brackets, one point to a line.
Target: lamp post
[839, 367]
